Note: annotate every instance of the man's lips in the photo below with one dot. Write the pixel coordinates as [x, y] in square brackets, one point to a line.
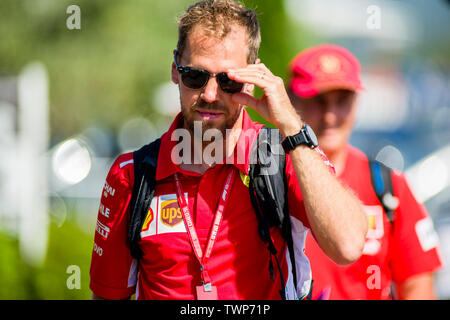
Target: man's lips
[209, 114]
[328, 132]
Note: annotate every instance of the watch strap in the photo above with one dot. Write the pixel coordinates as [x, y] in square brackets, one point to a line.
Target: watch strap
[301, 138]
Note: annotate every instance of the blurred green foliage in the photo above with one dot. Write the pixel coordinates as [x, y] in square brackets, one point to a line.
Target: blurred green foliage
[15, 275]
[68, 246]
[108, 71]
[102, 73]
[280, 41]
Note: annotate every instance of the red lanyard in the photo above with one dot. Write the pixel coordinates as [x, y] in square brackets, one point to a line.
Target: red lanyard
[202, 259]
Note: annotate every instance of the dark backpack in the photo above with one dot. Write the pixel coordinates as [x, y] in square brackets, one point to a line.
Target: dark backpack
[267, 188]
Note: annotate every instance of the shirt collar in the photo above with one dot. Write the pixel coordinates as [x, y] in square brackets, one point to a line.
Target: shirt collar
[240, 157]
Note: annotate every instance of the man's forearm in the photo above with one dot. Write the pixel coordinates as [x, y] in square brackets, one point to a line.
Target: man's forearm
[334, 213]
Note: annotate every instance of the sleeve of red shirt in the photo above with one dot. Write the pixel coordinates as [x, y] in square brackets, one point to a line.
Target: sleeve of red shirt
[113, 270]
[414, 242]
[295, 198]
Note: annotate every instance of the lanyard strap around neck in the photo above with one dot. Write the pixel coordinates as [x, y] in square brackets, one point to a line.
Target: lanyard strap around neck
[187, 218]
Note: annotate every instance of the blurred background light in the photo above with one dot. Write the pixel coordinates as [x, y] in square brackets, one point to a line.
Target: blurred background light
[57, 210]
[430, 176]
[348, 18]
[433, 176]
[135, 133]
[441, 124]
[391, 157]
[383, 105]
[100, 141]
[167, 99]
[71, 161]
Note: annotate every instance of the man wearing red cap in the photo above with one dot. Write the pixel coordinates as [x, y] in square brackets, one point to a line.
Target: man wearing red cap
[323, 88]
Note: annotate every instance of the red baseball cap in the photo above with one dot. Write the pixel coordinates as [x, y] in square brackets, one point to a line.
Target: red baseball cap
[323, 68]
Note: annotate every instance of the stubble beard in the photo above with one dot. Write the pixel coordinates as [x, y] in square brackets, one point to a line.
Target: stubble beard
[228, 124]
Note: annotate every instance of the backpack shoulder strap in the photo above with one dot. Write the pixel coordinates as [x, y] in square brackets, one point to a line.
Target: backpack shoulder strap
[268, 193]
[267, 172]
[145, 161]
[381, 180]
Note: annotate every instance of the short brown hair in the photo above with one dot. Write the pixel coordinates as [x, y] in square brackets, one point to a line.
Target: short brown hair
[216, 17]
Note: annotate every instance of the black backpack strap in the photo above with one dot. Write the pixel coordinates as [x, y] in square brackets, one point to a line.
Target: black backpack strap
[268, 193]
[264, 232]
[145, 160]
[381, 180]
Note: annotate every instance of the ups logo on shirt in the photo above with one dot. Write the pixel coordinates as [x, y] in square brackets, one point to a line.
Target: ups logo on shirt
[171, 213]
[164, 216]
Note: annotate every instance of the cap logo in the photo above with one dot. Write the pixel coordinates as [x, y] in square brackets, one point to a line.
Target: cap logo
[329, 63]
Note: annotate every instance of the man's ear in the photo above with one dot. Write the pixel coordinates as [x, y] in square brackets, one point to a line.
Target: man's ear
[174, 74]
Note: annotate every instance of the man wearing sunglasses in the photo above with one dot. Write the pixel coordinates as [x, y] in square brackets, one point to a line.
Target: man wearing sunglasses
[200, 237]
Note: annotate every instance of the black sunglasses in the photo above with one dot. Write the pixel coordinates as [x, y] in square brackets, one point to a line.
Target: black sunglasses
[195, 78]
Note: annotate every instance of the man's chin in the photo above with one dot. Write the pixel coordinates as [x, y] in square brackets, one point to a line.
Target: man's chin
[221, 121]
[329, 143]
[206, 124]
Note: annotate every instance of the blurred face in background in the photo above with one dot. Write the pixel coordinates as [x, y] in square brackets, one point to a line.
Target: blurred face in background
[210, 105]
[331, 115]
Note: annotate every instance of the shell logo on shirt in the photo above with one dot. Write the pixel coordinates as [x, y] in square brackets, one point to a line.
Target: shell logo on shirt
[164, 216]
[375, 219]
[376, 229]
[245, 179]
[148, 220]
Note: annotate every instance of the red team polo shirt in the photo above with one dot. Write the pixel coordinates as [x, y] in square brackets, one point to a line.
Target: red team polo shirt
[409, 249]
[168, 269]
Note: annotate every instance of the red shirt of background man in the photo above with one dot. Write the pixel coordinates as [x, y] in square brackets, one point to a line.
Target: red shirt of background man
[388, 254]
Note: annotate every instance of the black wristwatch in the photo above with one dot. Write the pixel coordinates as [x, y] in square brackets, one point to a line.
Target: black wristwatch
[305, 136]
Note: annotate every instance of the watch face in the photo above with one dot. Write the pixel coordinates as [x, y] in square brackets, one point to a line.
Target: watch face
[312, 135]
[305, 136]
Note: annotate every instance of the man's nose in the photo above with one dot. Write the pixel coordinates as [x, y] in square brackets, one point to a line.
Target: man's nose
[330, 113]
[211, 90]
